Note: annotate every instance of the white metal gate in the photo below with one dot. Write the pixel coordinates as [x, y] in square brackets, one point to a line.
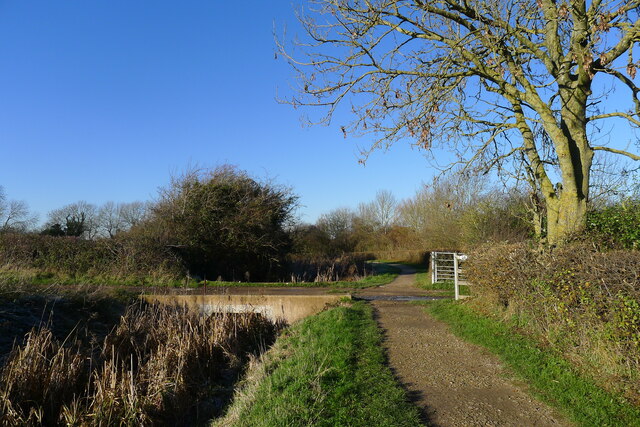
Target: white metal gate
[448, 266]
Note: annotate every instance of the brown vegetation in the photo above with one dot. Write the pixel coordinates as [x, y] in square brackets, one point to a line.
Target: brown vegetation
[329, 269]
[161, 365]
[581, 301]
[457, 212]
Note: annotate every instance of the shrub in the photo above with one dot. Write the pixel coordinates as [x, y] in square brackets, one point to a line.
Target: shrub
[580, 300]
[617, 224]
[225, 223]
[125, 258]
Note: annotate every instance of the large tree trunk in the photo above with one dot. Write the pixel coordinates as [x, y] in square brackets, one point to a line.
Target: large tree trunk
[567, 203]
[566, 216]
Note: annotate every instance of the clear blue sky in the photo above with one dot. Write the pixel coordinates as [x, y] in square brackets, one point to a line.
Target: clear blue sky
[103, 100]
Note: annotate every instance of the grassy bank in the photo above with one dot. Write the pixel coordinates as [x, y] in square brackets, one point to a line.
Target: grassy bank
[328, 370]
[552, 378]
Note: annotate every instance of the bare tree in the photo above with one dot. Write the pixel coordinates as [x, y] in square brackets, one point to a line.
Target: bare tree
[492, 81]
[109, 220]
[81, 212]
[337, 222]
[14, 214]
[456, 211]
[131, 214]
[113, 218]
[612, 180]
[381, 212]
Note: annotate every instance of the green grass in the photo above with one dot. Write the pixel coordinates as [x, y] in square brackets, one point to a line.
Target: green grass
[328, 370]
[383, 274]
[32, 277]
[552, 378]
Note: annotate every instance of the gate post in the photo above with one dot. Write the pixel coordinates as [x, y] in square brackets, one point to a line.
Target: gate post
[456, 285]
[455, 276]
[434, 277]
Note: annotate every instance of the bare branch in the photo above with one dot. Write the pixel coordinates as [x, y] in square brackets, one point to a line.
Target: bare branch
[616, 151]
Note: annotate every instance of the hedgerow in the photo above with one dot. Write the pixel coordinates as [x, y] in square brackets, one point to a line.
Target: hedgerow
[125, 259]
[580, 300]
[618, 224]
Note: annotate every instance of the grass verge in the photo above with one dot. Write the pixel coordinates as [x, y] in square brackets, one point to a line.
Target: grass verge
[327, 370]
[551, 377]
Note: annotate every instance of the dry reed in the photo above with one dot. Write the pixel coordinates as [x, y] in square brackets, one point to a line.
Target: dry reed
[156, 367]
[326, 269]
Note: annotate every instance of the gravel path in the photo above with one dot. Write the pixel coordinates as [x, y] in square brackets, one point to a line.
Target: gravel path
[455, 383]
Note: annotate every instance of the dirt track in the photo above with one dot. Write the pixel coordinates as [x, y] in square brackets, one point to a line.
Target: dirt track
[454, 383]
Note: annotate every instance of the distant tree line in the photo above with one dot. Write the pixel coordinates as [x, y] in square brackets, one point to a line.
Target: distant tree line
[83, 219]
[213, 224]
[458, 212]
[224, 223]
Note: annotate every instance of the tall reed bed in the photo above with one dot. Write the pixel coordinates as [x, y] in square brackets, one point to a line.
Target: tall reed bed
[327, 269]
[160, 365]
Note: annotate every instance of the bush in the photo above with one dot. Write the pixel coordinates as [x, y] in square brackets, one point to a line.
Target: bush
[225, 223]
[582, 301]
[619, 224]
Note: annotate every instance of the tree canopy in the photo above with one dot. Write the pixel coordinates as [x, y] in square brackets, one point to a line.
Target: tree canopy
[514, 85]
